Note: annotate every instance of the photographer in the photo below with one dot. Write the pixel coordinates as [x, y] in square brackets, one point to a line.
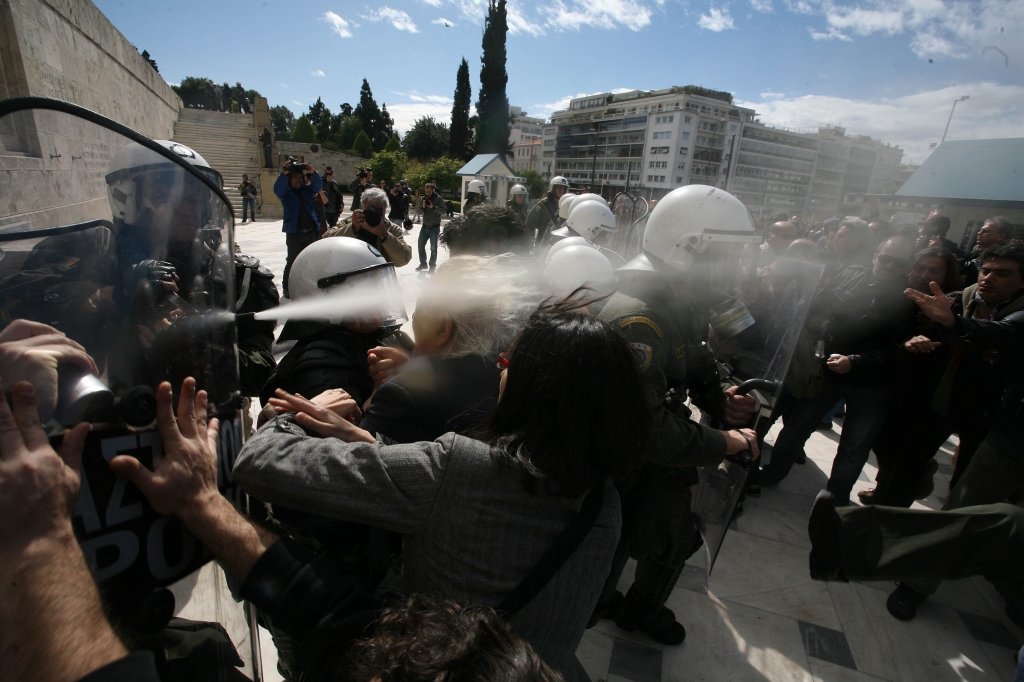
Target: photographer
[399, 201]
[363, 181]
[301, 224]
[434, 209]
[369, 225]
[332, 200]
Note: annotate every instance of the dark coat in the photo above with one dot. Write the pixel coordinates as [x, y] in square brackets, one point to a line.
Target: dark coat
[431, 396]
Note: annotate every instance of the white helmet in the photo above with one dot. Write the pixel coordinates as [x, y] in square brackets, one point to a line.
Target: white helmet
[563, 243]
[689, 220]
[135, 172]
[578, 265]
[346, 279]
[518, 189]
[477, 187]
[589, 196]
[589, 219]
[558, 181]
[564, 204]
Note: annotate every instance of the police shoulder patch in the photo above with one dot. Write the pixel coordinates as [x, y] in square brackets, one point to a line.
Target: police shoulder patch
[643, 354]
[640, 319]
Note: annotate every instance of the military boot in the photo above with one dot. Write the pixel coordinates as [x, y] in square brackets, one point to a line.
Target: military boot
[656, 621]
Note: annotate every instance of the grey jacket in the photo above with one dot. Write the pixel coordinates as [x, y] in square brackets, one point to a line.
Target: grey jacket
[472, 531]
[432, 216]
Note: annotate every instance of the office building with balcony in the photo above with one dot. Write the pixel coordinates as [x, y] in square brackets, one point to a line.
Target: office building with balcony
[773, 168]
[649, 142]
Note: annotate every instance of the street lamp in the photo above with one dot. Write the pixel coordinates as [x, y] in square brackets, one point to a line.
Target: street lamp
[962, 99]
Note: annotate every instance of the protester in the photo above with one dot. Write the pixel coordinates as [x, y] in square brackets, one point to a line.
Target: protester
[995, 231]
[487, 231]
[248, 192]
[932, 232]
[267, 142]
[399, 202]
[301, 226]
[368, 224]
[363, 181]
[478, 515]
[863, 316]
[779, 236]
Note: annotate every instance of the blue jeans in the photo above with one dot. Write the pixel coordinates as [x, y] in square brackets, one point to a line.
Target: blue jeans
[431, 233]
[249, 204]
[267, 156]
[865, 415]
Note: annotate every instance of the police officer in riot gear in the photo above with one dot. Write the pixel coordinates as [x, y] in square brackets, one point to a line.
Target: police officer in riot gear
[592, 220]
[691, 254]
[518, 201]
[476, 194]
[544, 216]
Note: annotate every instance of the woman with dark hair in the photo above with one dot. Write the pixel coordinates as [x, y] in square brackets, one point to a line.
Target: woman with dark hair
[522, 518]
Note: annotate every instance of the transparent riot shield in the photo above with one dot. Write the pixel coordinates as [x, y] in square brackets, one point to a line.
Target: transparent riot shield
[630, 217]
[754, 334]
[124, 246]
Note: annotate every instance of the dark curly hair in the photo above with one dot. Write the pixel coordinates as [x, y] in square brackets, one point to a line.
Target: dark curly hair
[428, 640]
[1014, 252]
[573, 410]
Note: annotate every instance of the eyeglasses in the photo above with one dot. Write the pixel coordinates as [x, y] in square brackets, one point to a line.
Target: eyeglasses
[503, 360]
[884, 259]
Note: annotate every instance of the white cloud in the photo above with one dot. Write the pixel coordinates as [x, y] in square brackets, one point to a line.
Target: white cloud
[442, 22]
[519, 23]
[718, 20]
[606, 14]
[296, 102]
[912, 121]
[954, 29]
[762, 5]
[283, 85]
[318, 73]
[431, 99]
[434, 3]
[396, 17]
[338, 25]
[772, 95]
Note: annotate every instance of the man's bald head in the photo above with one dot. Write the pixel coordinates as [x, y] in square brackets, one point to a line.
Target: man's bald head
[780, 235]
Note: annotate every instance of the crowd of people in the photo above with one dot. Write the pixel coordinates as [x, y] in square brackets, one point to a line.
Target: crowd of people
[461, 504]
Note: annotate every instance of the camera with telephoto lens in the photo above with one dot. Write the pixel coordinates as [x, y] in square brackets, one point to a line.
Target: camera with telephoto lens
[372, 216]
[362, 173]
[294, 166]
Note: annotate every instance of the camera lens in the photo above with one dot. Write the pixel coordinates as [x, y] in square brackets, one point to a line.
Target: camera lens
[372, 216]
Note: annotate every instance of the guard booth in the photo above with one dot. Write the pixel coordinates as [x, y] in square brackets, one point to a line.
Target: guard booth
[495, 172]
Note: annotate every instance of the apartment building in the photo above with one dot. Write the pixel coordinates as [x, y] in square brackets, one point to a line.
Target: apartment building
[648, 141]
[774, 166]
[523, 127]
[526, 155]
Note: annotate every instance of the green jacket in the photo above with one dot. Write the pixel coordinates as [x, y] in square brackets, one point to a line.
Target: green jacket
[539, 221]
[666, 336]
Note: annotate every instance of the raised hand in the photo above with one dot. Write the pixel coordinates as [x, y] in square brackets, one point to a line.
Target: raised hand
[329, 422]
[936, 307]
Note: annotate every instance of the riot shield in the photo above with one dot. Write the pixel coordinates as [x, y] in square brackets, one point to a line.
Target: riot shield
[630, 217]
[124, 246]
[754, 333]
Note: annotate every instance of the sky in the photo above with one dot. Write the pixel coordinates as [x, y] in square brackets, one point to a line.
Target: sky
[890, 69]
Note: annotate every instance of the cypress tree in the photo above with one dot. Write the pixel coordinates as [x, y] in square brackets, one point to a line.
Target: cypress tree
[458, 137]
[492, 105]
[303, 130]
[393, 145]
[362, 145]
[368, 114]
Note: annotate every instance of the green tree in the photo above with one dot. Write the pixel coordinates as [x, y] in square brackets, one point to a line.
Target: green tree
[362, 145]
[393, 145]
[389, 166]
[416, 172]
[535, 183]
[386, 129]
[283, 121]
[443, 172]
[349, 128]
[492, 105]
[150, 60]
[320, 118]
[195, 93]
[426, 139]
[459, 141]
[377, 123]
[303, 131]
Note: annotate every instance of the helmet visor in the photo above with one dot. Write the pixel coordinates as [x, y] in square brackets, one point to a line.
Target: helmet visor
[371, 297]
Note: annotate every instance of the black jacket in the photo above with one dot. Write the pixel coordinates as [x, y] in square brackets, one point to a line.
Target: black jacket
[866, 320]
[431, 396]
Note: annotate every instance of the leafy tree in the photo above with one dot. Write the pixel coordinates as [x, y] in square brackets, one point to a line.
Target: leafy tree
[535, 183]
[386, 129]
[459, 137]
[346, 109]
[393, 145]
[349, 128]
[416, 172]
[377, 123]
[362, 145]
[283, 120]
[389, 166]
[426, 139]
[303, 130]
[492, 105]
[443, 172]
[195, 93]
[150, 60]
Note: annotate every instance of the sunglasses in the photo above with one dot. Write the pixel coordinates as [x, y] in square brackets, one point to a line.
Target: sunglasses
[884, 259]
[503, 360]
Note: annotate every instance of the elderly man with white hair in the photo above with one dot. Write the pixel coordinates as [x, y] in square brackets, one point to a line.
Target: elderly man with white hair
[371, 225]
